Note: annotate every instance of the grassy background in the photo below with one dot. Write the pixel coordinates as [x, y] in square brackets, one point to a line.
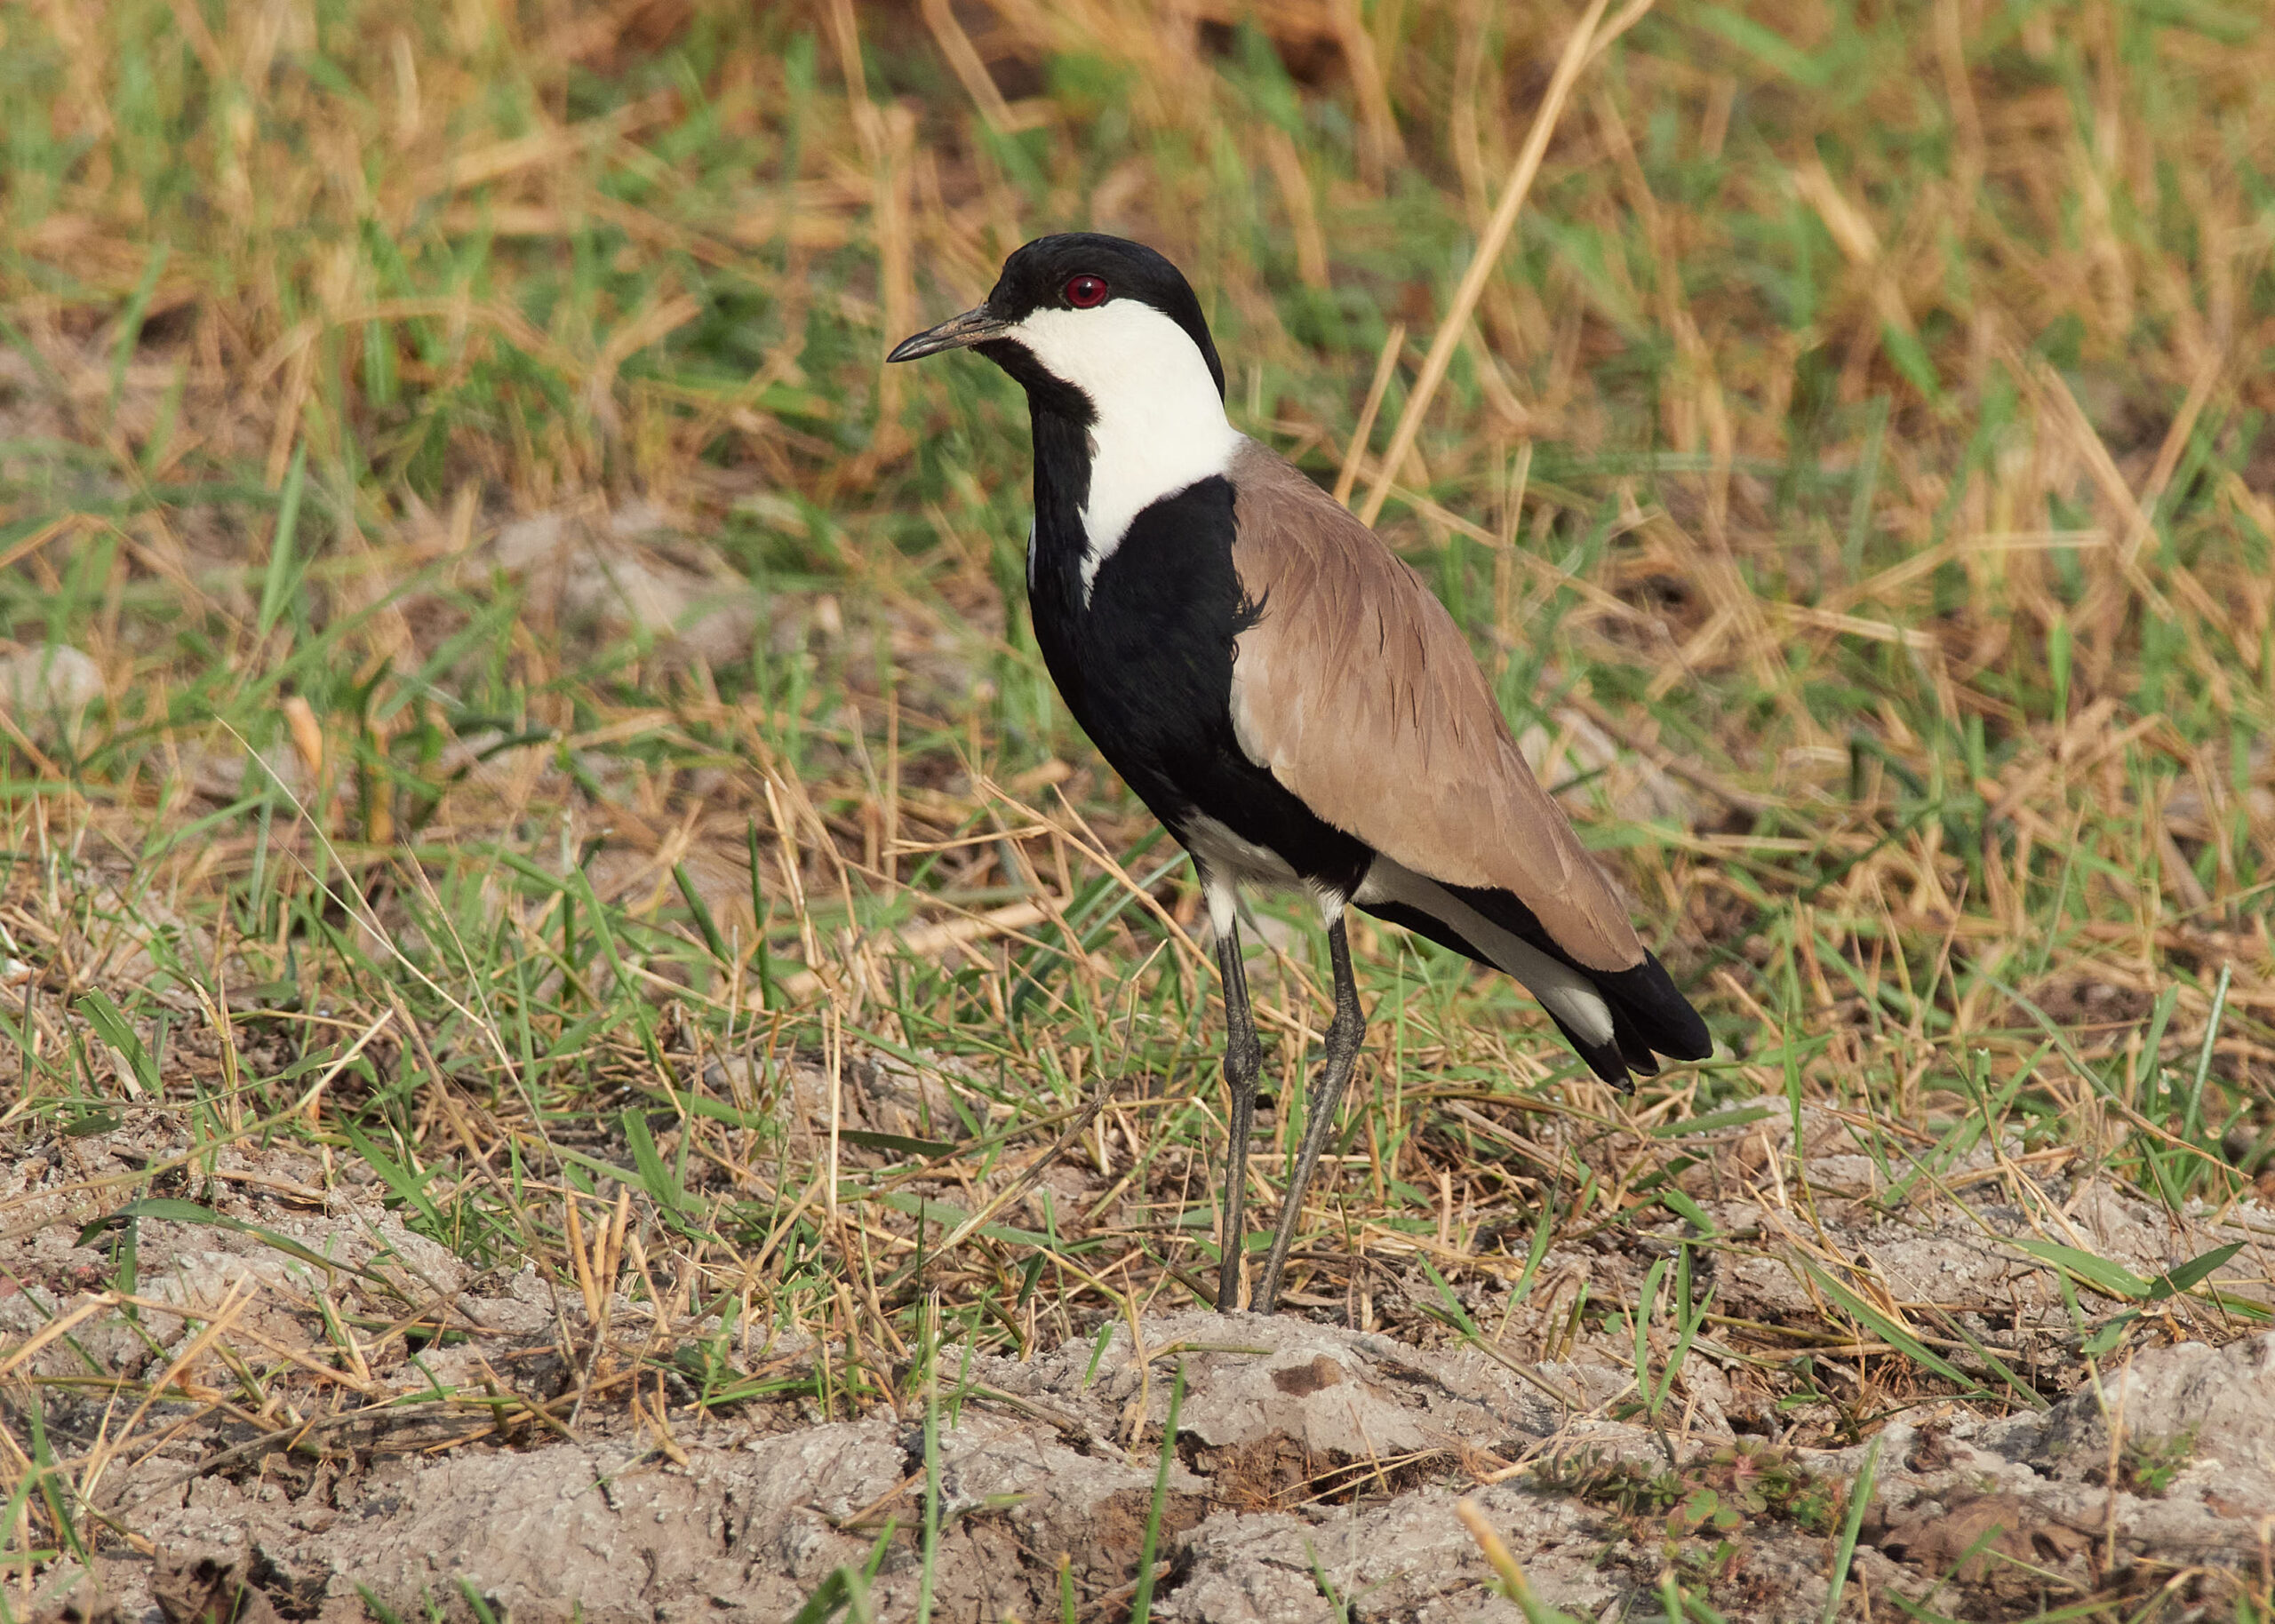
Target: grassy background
[539, 642]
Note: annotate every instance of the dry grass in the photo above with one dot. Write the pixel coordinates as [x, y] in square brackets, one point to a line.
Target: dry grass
[568, 738]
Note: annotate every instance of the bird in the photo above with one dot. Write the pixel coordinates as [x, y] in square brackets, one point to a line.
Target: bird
[1283, 692]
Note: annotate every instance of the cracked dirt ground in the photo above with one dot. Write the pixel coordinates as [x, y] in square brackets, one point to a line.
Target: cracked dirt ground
[436, 1438]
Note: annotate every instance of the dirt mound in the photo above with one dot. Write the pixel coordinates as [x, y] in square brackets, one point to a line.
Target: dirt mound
[1314, 1464]
[285, 1402]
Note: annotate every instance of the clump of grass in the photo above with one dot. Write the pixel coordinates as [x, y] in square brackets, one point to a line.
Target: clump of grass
[1694, 1516]
[1715, 1493]
[2149, 1466]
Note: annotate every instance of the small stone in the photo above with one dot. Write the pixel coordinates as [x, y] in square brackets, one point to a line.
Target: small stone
[48, 687]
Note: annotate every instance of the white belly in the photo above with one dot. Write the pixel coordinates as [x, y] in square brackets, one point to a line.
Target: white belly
[1225, 861]
[1228, 856]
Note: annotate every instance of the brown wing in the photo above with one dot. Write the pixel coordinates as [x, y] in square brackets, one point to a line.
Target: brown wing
[1359, 694]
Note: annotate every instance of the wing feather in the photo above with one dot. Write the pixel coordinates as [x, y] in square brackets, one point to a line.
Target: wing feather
[1356, 690]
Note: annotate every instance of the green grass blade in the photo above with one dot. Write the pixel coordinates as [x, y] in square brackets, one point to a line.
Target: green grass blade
[1860, 1496]
[1141, 1605]
[656, 1178]
[402, 1184]
[2191, 1274]
[2110, 1280]
[276, 584]
[170, 1210]
[110, 1020]
[929, 1351]
[711, 940]
[1880, 1325]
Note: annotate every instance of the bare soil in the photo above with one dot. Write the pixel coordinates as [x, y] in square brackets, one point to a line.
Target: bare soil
[267, 1437]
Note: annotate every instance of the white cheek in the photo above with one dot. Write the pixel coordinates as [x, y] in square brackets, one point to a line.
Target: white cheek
[1161, 423]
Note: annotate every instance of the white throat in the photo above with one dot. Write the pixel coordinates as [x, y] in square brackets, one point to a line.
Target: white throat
[1160, 424]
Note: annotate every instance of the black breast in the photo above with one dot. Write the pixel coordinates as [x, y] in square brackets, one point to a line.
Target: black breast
[1146, 665]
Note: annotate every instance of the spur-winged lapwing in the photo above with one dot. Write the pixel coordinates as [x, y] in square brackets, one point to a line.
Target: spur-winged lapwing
[1281, 690]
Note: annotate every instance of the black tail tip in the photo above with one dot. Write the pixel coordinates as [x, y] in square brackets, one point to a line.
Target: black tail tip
[1651, 1013]
[1649, 1017]
[1607, 1059]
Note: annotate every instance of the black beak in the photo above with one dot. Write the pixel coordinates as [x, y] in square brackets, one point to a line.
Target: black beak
[972, 327]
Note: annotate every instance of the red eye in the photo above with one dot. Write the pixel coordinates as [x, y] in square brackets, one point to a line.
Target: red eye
[1086, 292]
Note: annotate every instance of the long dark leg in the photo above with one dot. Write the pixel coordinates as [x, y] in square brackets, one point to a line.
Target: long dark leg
[1243, 1061]
[1344, 1034]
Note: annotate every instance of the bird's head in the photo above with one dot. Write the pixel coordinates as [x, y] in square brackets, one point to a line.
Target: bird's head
[1093, 327]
